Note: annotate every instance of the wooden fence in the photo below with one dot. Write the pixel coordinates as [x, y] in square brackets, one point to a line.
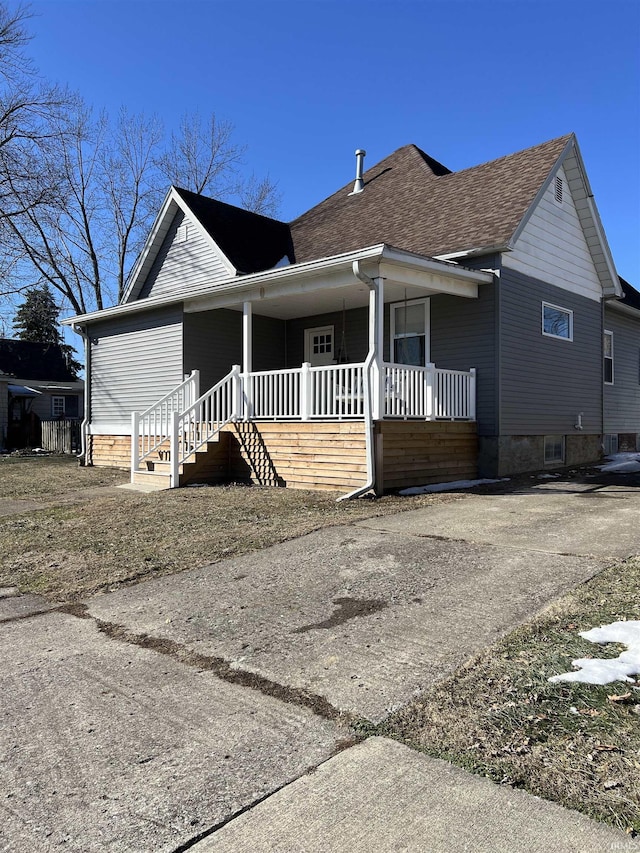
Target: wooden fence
[61, 436]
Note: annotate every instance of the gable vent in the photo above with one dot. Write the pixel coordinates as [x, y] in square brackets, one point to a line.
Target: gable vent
[182, 233]
[558, 190]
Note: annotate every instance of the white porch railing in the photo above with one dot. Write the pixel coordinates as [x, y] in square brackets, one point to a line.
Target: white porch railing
[151, 428]
[202, 420]
[305, 393]
[429, 392]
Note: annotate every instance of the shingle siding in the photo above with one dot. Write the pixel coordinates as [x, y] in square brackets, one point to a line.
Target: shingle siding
[622, 399]
[135, 361]
[179, 266]
[545, 383]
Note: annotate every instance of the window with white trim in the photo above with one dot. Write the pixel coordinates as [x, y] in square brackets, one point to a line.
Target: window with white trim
[410, 332]
[607, 357]
[553, 449]
[57, 407]
[557, 322]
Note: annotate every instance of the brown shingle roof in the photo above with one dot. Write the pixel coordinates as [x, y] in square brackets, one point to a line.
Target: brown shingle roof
[412, 202]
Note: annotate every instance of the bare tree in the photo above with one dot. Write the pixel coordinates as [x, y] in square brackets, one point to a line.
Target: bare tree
[202, 156]
[259, 195]
[78, 191]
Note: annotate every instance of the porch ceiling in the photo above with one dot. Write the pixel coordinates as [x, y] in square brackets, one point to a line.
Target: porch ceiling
[331, 293]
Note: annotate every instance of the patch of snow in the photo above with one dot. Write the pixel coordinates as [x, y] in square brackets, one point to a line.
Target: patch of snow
[622, 463]
[444, 487]
[546, 476]
[603, 671]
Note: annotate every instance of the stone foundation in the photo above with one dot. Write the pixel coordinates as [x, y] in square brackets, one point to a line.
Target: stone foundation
[507, 455]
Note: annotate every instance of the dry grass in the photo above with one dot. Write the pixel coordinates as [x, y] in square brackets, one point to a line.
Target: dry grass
[46, 478]
[77, 546]
[499, 716]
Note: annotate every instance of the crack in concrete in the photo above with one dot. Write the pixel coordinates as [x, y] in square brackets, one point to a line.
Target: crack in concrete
[341, 746]
[319, 705]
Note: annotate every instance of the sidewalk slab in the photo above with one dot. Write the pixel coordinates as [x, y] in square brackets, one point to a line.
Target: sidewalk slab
[364, 618]
[20, 606]
[108, 746]
[382, 796]
[562, 517]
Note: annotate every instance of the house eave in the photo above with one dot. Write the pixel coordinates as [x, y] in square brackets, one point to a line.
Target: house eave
[234, 288]
[616, 305]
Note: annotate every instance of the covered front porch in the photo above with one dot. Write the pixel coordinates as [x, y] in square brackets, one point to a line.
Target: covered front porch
[378, 306]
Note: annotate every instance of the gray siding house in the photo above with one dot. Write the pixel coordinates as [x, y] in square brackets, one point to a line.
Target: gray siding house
[621, 371]
[417, 326]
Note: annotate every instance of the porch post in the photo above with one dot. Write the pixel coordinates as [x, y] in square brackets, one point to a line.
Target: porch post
[247, 356]
[376, 343]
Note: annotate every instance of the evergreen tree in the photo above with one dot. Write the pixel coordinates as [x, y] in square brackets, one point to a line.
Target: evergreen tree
[37, 320]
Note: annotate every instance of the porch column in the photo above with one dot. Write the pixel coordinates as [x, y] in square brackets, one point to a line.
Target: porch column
[376, 343]
[247, 356]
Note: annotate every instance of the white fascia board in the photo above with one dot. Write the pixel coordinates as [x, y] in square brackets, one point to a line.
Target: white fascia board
[152, 243]
[615, 305]
[237, 286]
[148, 245]
[476, 251]
[616, 289]
[420, 263]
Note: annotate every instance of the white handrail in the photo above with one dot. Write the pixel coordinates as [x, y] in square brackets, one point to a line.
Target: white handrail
[202, 421]
[151, 429]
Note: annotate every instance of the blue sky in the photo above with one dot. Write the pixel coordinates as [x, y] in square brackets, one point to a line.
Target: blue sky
[307, 82]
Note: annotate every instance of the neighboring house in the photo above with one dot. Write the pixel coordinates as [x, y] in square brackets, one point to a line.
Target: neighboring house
[421, 325]
[621, 371]
[35, 385]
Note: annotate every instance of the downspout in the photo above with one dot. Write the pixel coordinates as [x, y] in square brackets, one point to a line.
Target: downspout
[84, 452]
[366, 388]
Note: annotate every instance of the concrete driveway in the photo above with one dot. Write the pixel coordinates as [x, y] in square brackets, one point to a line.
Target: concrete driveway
[150, 717]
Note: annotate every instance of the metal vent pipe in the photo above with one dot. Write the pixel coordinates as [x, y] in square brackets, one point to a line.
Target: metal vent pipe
[359, 183]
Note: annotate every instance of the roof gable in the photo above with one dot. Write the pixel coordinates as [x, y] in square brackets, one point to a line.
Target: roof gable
[238, 240]
[35, 361]
[571, 167]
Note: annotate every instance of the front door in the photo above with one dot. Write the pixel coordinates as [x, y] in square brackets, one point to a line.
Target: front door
[319, 346]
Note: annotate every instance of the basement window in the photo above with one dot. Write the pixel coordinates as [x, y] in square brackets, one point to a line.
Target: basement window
[558, 189]
[553, 449]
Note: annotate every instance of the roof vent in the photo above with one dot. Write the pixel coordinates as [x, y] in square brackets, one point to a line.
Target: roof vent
[359, 184]
[558, 190]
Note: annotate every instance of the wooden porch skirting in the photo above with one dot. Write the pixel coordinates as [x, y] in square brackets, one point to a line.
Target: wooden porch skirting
[418, 453]
[324, 454]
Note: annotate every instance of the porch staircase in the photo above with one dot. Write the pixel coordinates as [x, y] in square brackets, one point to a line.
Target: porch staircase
[209, 464]
[179, 440]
